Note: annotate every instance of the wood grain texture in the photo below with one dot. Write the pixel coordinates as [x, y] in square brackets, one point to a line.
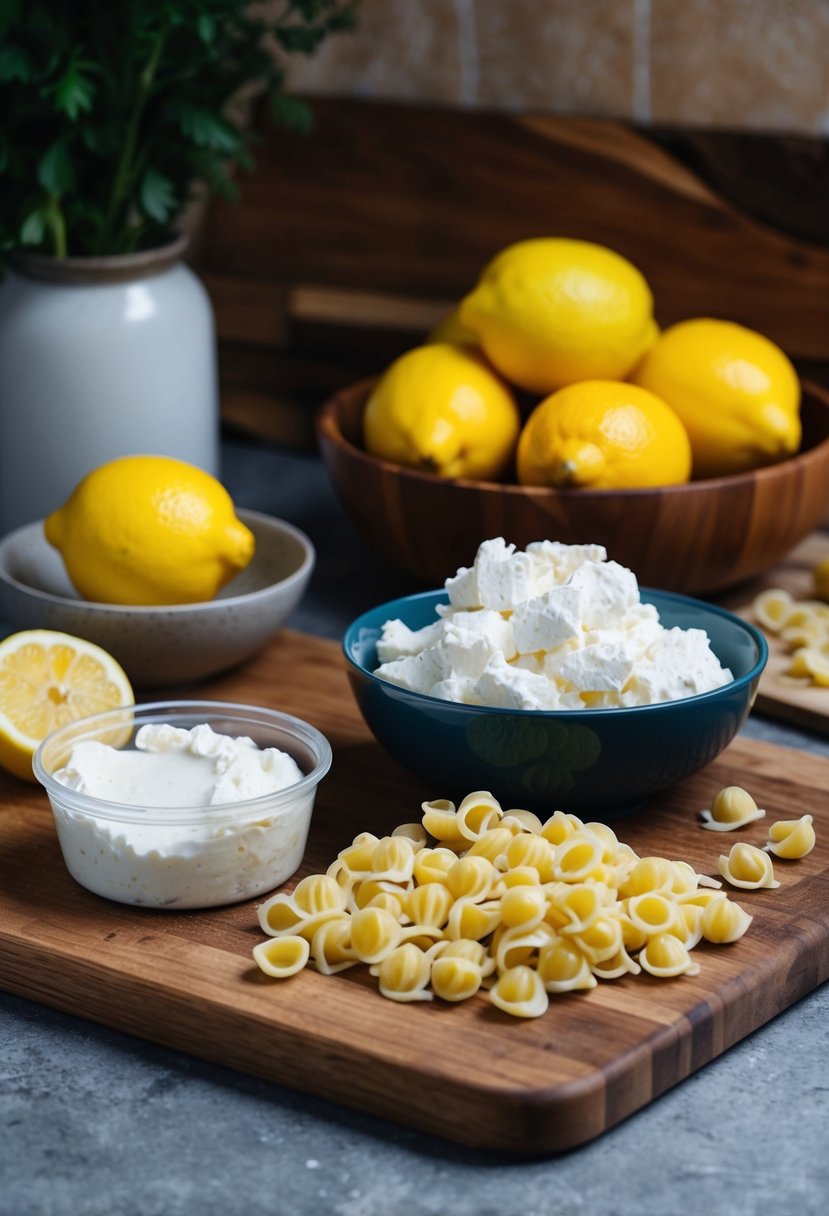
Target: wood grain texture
[465, 1072]
[781, 696]
[382, 219]
[696, 538]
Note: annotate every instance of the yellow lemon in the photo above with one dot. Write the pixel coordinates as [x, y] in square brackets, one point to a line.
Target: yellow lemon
[735, 391]
[603, 435]
[549, 312]
[450, 329]
[149, 530]
[440, 408]
[46, 680]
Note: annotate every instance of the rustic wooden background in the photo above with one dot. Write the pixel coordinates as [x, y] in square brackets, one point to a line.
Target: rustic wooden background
[349, 245]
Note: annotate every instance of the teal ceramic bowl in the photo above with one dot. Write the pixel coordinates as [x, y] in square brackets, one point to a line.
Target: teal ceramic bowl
[601, 762]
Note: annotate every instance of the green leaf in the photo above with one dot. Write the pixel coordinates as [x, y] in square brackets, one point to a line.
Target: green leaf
[206, 27]
[205, 129]
[157, 196]
[14, 64]
[55, 171]
[74, 91]
[33, 228]
[291, 112]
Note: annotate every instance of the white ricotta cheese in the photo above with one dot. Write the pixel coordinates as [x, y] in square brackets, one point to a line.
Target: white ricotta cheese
[554, 627]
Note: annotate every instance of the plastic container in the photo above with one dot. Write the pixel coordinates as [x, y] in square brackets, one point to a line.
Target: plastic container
[185, 857]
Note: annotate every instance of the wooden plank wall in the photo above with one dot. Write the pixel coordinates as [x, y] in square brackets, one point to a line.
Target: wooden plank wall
[350, 244]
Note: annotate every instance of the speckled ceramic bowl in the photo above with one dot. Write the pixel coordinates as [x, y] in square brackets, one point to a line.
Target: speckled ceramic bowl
[166, 645]
[603, 762]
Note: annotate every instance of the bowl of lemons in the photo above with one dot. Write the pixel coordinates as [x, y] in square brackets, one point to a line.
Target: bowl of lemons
[150, 560]
[549, 405]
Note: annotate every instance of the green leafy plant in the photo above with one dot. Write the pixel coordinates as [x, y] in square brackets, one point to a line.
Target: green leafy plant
[113, 112]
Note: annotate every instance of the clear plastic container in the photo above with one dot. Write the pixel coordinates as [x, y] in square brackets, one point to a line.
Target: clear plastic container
[185, 857]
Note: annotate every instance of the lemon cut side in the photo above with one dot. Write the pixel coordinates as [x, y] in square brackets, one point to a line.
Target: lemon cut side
[48, 679]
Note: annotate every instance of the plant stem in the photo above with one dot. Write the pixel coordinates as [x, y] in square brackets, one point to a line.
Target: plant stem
[125, 166]
[57, 227]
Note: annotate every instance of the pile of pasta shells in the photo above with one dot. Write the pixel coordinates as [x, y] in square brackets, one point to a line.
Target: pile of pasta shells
[476, 898]
[802, 626]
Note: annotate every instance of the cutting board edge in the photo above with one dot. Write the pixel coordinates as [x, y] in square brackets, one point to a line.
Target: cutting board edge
[518, 1122]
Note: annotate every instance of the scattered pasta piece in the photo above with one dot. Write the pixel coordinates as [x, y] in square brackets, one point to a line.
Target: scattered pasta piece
[404, 974]
[732, 808]
[724, 921]
[282, 956]
[748, 867]
[484, 901]
[520, 992]
[772, 608]
[455, 978]
[791, 838]
[666, 956]
[803, 626]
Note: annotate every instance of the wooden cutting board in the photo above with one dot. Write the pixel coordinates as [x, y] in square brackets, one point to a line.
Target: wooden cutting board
[466, 1072]
[781, 696]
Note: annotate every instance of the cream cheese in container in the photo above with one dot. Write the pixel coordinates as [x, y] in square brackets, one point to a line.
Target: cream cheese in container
[183, 804]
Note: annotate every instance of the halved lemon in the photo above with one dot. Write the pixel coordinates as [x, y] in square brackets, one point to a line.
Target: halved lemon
[48, 679]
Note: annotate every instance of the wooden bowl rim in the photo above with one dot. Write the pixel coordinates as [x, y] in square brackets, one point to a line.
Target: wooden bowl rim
[328, 427]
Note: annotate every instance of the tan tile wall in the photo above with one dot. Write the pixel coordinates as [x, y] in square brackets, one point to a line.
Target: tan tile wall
[761, 64]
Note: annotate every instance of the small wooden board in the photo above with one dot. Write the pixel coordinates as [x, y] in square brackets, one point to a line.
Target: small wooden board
[466, 1072]
[787, 698]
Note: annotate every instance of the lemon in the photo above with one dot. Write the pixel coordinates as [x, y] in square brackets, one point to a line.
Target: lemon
[735, 391]
[549, 312]
[440, 408]
[149, 530]
[46, 680]
[603, 435]
[450, 329]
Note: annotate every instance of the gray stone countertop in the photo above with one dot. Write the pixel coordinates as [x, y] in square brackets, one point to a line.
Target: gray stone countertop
[96, 1123]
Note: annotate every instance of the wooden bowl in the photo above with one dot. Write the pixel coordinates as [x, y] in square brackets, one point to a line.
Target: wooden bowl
[695, 538]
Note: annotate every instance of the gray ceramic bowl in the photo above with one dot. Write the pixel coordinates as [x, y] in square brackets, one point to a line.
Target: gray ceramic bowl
[162, 646]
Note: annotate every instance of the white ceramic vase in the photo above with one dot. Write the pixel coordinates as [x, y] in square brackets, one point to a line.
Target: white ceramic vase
[99, 358]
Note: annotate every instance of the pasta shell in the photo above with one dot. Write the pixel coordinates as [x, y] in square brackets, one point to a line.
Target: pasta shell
[648, 874]
[523, 906]
[772, 608]
[578, 856]
[563, 968]
[374, 934]
[732, 808]
[520, 993]
[392, 859]
[791, 838]
[748, 867]
[433, 865]
[477, 813]
[455, 978]
[471, 878]
[724, 921]
[281, 957]
[331, 947]
[429, 904]
[665, 957]
[403, 974]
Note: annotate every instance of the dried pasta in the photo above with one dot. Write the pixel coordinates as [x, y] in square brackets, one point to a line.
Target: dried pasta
[480, 901]
[803, 626]
[731, 808]
[748, 867]
[791, 838]
[282, 956]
